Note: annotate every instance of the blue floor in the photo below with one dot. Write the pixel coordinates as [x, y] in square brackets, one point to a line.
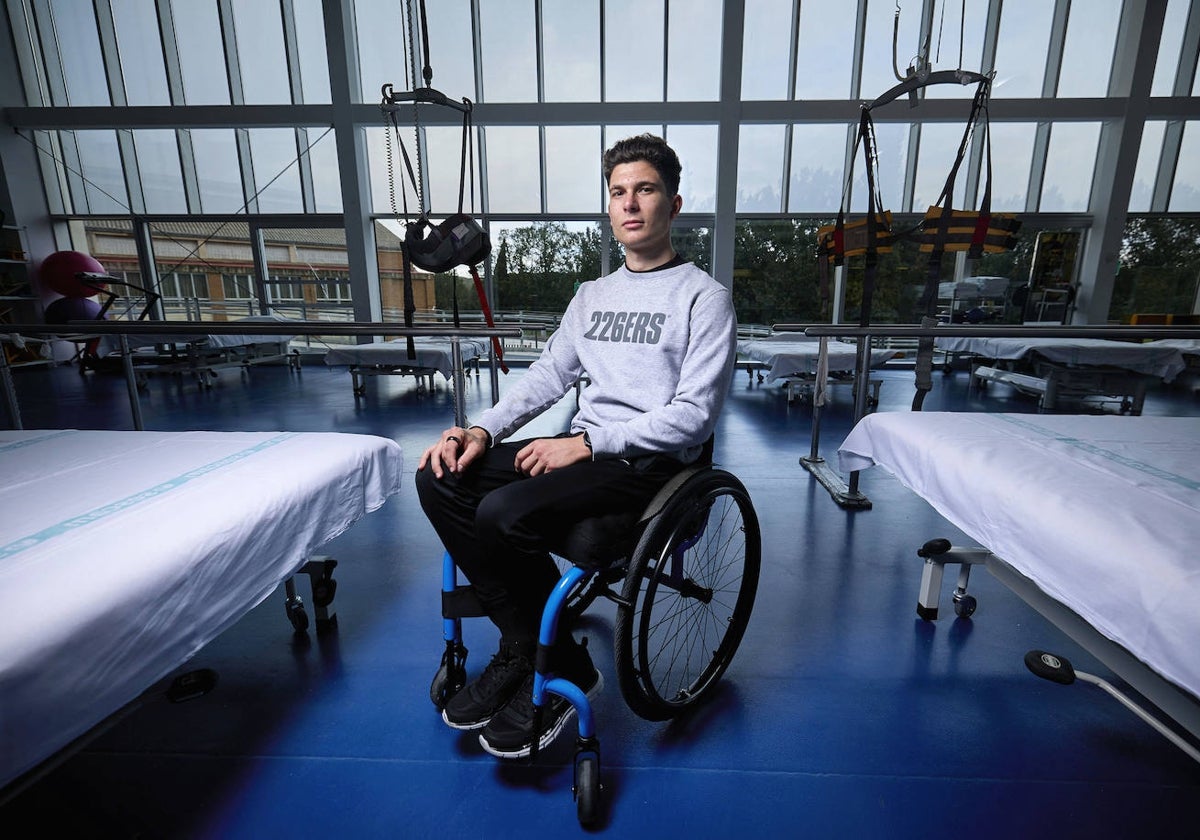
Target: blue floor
[842, 715]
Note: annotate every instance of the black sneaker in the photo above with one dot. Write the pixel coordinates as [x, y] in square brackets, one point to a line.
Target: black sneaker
[483, 697]
[510, 733]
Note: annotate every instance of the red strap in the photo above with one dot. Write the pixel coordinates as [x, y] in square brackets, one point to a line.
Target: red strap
[487, 316]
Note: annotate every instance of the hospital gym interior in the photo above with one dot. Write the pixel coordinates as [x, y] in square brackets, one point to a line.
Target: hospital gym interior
[939, 578]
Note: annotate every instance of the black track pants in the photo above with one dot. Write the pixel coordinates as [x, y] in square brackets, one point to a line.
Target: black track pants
[499, 525]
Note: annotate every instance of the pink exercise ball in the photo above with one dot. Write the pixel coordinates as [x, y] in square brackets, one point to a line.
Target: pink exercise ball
[60, 273]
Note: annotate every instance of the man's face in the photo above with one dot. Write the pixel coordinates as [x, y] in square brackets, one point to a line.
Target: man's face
[640, 208]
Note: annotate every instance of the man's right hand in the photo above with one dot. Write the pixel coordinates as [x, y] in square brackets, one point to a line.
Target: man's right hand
[455, 450]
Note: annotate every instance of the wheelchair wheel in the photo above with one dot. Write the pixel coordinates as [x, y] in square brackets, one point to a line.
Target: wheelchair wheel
[688, 595]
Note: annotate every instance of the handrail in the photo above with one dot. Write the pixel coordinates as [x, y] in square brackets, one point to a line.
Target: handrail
[959, 331]
[77, 330]
[255, 328]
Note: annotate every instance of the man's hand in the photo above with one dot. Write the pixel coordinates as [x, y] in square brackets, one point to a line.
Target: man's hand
[455, 450]
[546, 454]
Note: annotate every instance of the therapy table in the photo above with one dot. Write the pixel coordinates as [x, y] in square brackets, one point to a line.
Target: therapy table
[1091, 519]
[123, 553]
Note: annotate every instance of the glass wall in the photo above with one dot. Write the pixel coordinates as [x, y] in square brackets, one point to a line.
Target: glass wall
[248, 121]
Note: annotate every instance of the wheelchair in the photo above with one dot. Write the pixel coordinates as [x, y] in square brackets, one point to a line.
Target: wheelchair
[683, 574]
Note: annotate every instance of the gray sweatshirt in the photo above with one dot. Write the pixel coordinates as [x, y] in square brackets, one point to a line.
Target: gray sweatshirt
[658, 348]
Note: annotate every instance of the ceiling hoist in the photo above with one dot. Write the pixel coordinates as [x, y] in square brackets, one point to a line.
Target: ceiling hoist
[459, 239]
[942, 229]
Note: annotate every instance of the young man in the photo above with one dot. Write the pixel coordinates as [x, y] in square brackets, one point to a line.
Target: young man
[657, 340]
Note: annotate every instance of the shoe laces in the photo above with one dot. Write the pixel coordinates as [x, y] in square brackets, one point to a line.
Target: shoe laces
[500, 669]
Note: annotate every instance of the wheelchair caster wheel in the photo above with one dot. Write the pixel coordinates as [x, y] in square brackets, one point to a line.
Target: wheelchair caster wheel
[444, 686]
[297, 616]
[587, 789]
[451, 676]
[965, 605]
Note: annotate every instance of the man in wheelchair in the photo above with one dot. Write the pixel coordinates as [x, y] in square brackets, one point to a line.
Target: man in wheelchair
[657, 340]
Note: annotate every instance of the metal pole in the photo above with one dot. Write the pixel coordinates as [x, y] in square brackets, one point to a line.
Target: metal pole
[456, 362]
[10, 393]
[131, 383]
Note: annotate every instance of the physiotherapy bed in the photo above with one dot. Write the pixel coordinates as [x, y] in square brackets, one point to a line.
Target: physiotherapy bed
[1091, 519]
[200, 355]
[390, 358]
[123, 553]
[1066, 369]
[793, 358]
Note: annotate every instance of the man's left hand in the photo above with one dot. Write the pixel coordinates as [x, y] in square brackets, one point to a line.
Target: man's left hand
[546, 454]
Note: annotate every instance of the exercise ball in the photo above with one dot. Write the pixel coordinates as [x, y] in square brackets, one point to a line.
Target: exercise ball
[67, 309]
[60, 273]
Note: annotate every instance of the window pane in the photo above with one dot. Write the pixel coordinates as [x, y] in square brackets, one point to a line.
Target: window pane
[218, 172]
[573, 172]
[760, 169]
[1088, 52]
[327, 184]
[818, 166]
[628, 80]
[1185, 191]
[613, 133]
[1022, 46]
[775, 275]
[276, 176]
[443, 149]
[1169, 48]
[261, 57]
[450, 52]
[389, 180]
[310, 42]
[312, 271]
[100, 162]
[571, 49]
[79, 51]
[388, 238]
[380, 30]
[537, 266]
[158, 165]
[1158, 270]
[939, 145]
[877, 73]
[892, 144]
[508, 51]
[1012, 155]
[201, 53]
[1147, 167]
[190, 261]
[825, 52]
[696, 146]
[945, 46]
[140, 48]
[766, 41]
[1070, 163]
[514, 173]
[694, 43]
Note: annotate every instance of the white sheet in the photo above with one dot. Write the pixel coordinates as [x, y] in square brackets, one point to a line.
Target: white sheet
[123, 553]
[1160, 361]
[432, 353]
[1100, 512]
[789, 354]
[1186, 346]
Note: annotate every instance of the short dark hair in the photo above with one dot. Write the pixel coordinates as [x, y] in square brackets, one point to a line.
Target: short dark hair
[654, 150]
